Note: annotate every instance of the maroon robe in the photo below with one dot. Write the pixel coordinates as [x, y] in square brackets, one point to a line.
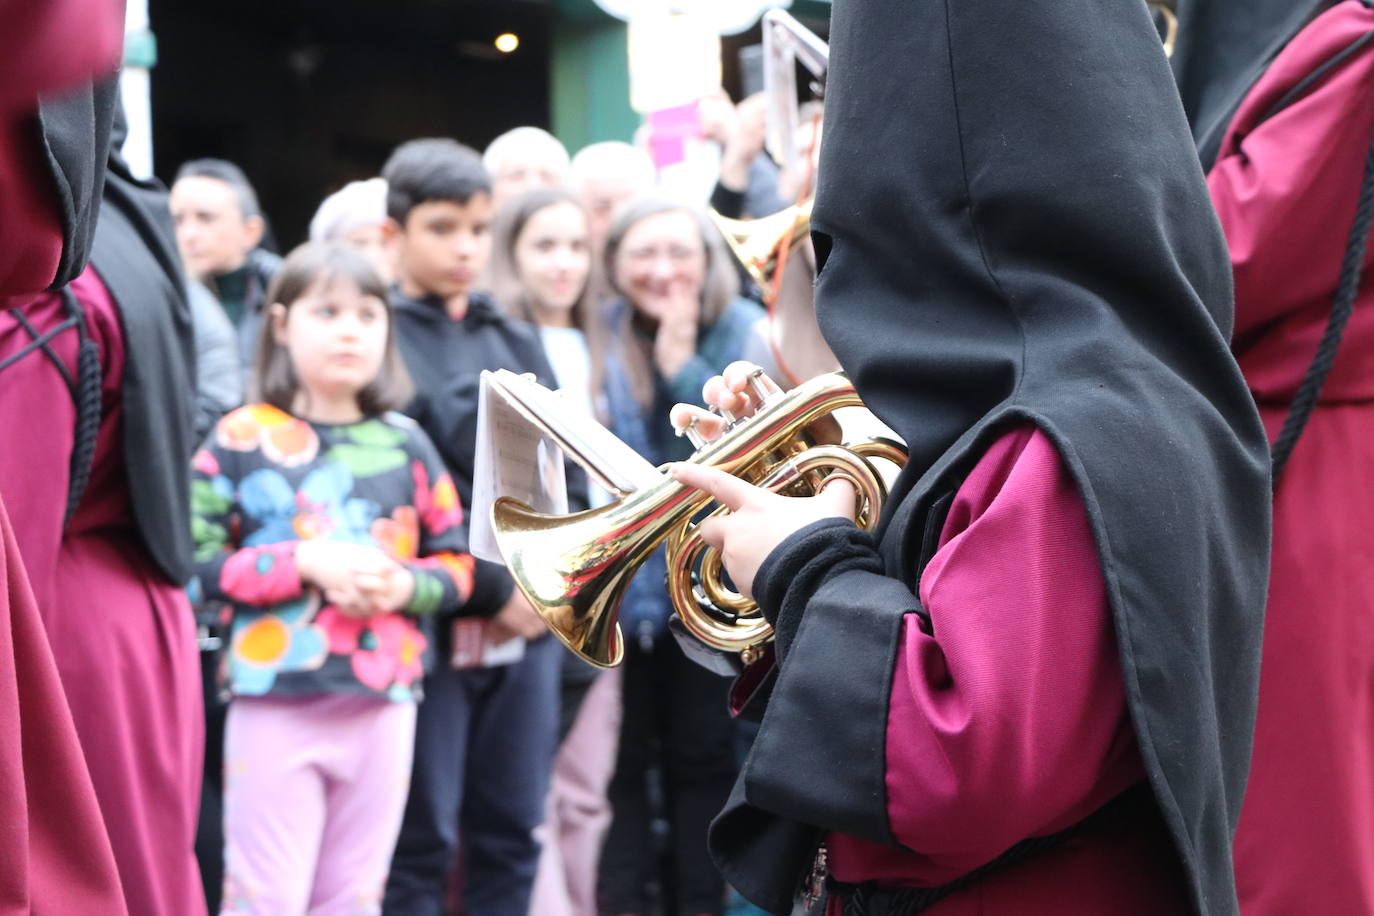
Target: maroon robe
[55, 857]
[122, 635]
[1286, 188]
[54, 854]
[1013, 722]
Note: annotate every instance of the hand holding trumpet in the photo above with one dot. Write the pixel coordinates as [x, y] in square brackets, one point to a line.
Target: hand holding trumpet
[760, 520]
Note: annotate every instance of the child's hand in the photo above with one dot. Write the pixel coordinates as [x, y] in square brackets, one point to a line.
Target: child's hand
[731, 391]
[331, 566]
[387, 589]
[760, 520]
[351, 602]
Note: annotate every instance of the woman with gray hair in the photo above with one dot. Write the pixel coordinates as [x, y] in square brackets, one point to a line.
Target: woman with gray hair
[678, 313]
[678, 319]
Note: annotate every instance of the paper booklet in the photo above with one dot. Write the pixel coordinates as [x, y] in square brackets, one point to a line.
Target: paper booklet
[472, 646]
[523, 429]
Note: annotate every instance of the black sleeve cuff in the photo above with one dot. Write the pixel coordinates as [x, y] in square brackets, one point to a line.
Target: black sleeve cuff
[792, 573]
[821, 753]
[491, 589]
[728, 203]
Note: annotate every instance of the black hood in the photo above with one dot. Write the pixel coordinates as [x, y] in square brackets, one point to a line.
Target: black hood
[1223, 48]
[1012, 226]
[75, 128]
[135, 254]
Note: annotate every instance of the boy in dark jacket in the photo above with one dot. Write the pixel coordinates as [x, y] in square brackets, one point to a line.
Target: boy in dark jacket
[485, 736]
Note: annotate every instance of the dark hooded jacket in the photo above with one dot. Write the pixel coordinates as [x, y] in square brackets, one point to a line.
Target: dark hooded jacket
[446, 358]
[135, 255]
[1011, 227]
[76, 134]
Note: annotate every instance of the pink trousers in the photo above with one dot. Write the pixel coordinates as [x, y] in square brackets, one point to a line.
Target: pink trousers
[577, 812]
[314, 792]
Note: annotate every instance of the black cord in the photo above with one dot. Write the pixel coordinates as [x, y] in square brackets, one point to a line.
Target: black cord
[1352, 269]
[84, 388]
[41, 342]
[88, 408]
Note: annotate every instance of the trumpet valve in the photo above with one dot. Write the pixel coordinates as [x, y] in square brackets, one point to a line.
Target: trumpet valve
[690, 431]
[761, 392]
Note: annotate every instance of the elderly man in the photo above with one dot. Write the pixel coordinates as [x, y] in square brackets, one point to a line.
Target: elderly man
[522, 159]
[607, 174]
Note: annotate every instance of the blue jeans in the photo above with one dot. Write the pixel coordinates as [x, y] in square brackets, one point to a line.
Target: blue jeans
[484, 746]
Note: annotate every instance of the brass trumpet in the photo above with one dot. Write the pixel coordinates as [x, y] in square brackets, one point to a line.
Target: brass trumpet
[574, 569]
[758, 242]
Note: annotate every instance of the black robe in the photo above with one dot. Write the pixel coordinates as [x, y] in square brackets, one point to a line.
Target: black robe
[1012, 226]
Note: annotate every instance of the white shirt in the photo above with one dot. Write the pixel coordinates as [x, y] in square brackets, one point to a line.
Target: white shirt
[572, 368]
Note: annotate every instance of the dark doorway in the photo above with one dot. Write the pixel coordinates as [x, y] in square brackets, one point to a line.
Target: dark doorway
[306, 95]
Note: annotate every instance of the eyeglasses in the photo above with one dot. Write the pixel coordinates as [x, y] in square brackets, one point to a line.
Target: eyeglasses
[678, 254]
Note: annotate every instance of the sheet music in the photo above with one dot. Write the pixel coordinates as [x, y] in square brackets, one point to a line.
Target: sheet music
[618, 467]
[514, 458]
[522, 430]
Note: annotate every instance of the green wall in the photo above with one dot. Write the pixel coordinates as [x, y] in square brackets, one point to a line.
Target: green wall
[590, 77]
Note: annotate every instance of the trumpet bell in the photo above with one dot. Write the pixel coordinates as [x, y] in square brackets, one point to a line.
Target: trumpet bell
[564, 567]
[757, 242]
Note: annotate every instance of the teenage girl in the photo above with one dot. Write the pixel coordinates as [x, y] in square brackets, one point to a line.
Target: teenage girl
[543, 271]
[330, 524]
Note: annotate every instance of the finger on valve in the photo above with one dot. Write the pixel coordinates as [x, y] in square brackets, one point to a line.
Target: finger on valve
[749, 378]
[717, 394]
[750, 383]
[705, 425]
[739, 377]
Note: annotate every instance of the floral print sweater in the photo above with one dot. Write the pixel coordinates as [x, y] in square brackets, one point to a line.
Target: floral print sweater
[266, 480]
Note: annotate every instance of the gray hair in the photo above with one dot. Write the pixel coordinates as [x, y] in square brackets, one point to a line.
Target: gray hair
[225, 171]
[721, 284]
[358, 203]
[521, 139]
[616, 159]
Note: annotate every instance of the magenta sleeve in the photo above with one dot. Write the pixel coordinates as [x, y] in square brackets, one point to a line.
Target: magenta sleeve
[261, 576]
[1007, 717]
[1287, 175]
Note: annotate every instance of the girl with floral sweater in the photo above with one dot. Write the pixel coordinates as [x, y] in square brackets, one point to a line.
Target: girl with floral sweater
[329, 523]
